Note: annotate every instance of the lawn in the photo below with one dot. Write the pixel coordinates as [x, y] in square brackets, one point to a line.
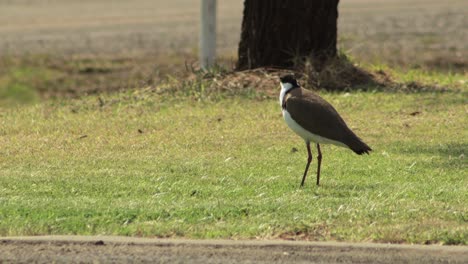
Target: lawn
[140, 163]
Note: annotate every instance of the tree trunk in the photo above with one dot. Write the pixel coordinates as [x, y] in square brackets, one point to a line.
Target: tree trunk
[279, 33]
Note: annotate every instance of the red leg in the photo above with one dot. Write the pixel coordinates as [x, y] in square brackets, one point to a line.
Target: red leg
[309, 159]
[319, 160]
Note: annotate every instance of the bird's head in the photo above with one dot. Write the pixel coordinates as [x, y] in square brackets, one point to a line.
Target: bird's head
[288, 82]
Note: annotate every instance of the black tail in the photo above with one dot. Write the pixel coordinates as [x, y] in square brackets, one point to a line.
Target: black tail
[362, 150]
[358, 146]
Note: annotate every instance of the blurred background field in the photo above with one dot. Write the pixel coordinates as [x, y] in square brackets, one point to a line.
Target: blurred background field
[67, 48]
[427, 32]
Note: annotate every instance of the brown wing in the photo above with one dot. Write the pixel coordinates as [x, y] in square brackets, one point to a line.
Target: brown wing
[320, 118]
[315, 114]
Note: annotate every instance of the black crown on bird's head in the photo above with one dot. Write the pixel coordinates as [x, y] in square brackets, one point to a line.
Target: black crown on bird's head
[289, 78]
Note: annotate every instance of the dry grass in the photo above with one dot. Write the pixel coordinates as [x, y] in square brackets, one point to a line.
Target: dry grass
[43, 77]
[31, 79]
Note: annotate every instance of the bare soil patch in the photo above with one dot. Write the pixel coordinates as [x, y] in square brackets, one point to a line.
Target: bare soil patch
[123, 249]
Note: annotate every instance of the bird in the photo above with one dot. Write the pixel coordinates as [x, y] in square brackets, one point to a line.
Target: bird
[315, 120]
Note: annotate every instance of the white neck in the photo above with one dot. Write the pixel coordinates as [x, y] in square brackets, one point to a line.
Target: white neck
[285, 87]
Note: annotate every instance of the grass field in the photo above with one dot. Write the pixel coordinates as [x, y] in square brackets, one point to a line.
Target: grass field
[104, 131]
[141, 164]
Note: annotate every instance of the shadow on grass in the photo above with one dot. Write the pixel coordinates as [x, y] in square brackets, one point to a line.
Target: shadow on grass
[342, 74]
[453, 149]
[449, 155]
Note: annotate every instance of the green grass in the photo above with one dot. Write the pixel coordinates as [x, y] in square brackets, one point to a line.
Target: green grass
[18, 85]
[425, 78]
[225, 169]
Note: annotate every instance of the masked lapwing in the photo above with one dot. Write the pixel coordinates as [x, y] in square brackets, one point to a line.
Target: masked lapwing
[315, 120]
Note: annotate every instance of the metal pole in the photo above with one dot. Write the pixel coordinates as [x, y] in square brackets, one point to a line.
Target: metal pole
[207, 52]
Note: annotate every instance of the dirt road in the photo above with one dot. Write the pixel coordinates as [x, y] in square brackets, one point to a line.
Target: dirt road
[63, 249]
[110, 27]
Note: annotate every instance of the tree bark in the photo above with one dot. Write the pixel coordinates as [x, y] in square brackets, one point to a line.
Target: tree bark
[279, 33]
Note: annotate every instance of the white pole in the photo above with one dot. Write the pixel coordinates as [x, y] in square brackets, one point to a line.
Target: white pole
[207, 51]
